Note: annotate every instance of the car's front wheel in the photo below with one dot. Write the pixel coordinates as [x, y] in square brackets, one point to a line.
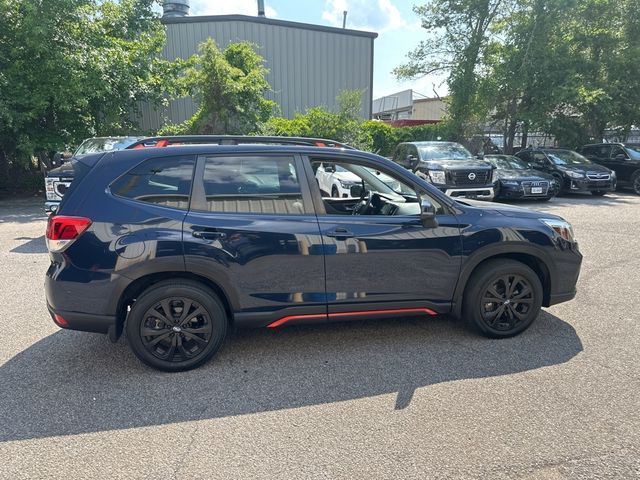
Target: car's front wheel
[503, 297]
[635, 182]
[176, 325]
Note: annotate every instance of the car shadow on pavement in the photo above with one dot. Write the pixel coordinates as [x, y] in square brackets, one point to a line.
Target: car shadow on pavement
[71, 382]
[33, 245]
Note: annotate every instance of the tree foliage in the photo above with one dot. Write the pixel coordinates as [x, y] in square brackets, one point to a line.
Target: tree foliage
[229, 87]
[460, 31]
[565, 67]
[71, 69]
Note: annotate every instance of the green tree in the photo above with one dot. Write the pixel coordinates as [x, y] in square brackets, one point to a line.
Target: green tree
[70, 69]
[229, 87]
[459, 32]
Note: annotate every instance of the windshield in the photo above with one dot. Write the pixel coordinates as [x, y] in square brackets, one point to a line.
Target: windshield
[633, 149]
[105, 144]
[566, 157]
[507, 162]
[444, 152]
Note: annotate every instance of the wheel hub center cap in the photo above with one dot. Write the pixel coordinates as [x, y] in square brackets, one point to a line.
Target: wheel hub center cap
[507, 302]
[176, 329]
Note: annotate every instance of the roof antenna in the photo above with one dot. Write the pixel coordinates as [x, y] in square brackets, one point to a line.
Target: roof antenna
[344, 19]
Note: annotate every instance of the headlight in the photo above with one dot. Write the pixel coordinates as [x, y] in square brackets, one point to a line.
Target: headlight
[573, 174]
[512, 183]
[347, 184]
[494, 177]
[561, 227]
[437, 176]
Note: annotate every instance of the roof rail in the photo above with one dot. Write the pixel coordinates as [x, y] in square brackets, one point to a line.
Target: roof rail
[166, 141]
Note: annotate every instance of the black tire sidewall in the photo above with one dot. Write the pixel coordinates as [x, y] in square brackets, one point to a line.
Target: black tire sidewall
[481, 279]
[152, 296]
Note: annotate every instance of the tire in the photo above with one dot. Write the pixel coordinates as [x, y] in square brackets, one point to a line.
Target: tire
[560, 182]
[180, 348]
[598, 193]
[635, 182]
[499, 275]
[334, 192]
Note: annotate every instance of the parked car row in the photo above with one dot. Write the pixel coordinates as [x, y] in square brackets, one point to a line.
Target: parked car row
[533, 173]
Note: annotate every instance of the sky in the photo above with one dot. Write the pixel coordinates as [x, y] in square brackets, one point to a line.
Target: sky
[397, 26]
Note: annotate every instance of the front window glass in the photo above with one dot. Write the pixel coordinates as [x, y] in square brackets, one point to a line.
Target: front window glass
[566, 157]
[633, 150]
[444, 152]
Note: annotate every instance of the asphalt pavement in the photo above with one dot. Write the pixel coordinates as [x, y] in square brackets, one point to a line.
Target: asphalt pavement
[404, 398]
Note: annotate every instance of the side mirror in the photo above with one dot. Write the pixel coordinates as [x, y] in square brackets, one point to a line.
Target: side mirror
[329, 168]
[621, 156]
[66, 155]
[356, 191]
[428, 213]
[412, 161]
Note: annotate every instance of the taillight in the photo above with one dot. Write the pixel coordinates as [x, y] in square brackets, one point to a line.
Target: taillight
[62, 231]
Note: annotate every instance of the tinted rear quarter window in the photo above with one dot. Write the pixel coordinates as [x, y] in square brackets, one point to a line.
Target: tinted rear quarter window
[161, 181]
[262, 185]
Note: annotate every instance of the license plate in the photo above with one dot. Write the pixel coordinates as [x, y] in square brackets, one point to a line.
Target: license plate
[536, 189]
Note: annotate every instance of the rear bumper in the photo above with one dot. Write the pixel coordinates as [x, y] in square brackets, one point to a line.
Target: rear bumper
[86, 322]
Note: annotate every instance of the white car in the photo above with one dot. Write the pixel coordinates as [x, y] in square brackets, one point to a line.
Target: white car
[337, 181]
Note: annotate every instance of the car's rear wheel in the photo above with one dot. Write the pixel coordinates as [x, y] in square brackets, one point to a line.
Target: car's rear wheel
[176, 325]
[503, 297]
[598, 193]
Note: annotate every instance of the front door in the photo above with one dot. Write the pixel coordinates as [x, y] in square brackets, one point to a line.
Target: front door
[253, 229]
[378, 255]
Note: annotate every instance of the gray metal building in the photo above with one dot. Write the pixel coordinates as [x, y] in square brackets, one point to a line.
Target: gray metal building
[308, 64]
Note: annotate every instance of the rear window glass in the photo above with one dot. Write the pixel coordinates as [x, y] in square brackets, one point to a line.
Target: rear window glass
[161, 181]
[252, 185]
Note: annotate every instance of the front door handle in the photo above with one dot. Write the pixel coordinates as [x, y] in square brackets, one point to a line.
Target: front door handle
[208, 234]
[340, 234]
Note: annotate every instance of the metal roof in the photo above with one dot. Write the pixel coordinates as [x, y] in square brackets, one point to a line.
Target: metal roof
[268, 21]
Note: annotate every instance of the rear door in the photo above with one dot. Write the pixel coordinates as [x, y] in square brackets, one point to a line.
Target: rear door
[620, 162]
[252, 228]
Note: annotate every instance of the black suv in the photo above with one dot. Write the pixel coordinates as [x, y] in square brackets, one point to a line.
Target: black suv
[573, 172]
[175, 246]
[622, 158]
[450, 167]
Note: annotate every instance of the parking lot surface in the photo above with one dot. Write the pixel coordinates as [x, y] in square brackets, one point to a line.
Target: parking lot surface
[417, 398]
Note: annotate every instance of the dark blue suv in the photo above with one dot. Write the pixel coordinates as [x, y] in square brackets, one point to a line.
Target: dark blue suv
[176, 245]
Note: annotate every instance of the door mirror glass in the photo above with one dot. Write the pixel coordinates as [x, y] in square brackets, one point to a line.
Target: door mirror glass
[329, 167]
[428, 213]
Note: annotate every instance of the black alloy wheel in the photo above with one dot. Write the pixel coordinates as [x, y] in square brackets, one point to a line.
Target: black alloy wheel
[503, 298]
[176, 325]
[176, 329]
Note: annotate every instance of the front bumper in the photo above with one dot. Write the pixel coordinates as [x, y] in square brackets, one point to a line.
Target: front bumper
[51, 207]
[586, 185]
[481, 193]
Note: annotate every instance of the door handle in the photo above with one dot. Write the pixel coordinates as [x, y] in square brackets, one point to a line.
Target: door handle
[340, 234]
[208, 235]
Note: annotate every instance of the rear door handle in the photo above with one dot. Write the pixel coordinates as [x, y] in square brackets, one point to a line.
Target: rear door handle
[208, 234]
[341, 234]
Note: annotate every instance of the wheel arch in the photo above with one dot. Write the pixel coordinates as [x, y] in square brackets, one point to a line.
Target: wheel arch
[529, 256]
[140, 284]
